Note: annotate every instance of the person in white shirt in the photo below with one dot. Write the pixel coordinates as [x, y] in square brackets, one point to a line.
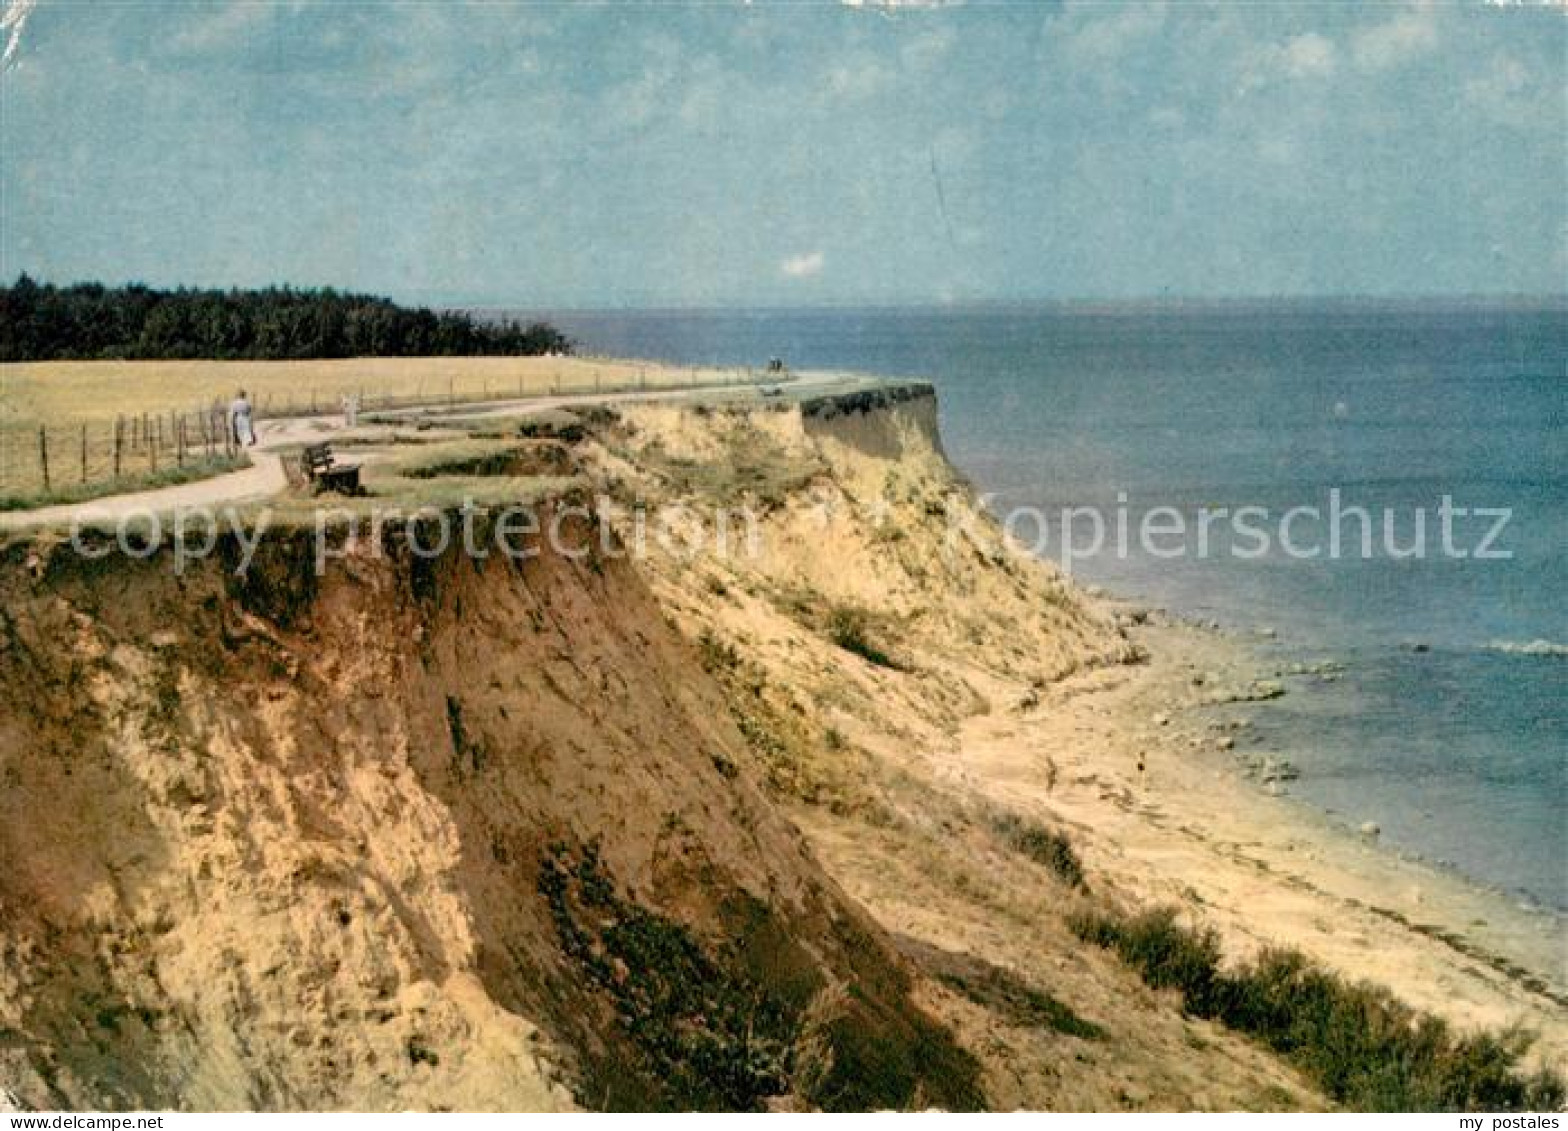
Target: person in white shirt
[240, 423]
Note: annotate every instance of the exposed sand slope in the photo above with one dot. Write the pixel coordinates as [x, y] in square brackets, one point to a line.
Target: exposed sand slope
[463, 834]
[359, 842]
[1008, 694]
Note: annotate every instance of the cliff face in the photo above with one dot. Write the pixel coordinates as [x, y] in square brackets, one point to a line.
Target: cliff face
[895, 666]
[453, 834]
[574, 830]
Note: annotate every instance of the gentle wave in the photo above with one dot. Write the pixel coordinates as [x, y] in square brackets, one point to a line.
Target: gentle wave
[1528, 648]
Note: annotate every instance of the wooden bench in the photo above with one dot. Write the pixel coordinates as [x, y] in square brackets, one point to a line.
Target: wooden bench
[324, 473]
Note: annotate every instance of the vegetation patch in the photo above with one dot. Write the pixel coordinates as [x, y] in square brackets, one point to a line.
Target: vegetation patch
[1045, 846]
[194, 468]
[999, 990]
[1363, 1047]
[730, 1025]
[847, 627]
[717, 655]
[280, 582]
[712, 1037]
[457, 458]
[40, 321]
[553, 425]
[750, 466]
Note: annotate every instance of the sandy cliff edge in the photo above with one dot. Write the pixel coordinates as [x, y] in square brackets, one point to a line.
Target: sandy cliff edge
[423, 837]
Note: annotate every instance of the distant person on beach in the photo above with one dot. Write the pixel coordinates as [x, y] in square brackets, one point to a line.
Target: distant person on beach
[350, 410]
[240, 421]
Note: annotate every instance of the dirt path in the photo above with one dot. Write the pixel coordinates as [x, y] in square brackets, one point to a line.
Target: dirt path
[265, 477]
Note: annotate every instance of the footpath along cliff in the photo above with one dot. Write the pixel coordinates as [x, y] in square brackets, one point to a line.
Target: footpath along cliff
[653, 817]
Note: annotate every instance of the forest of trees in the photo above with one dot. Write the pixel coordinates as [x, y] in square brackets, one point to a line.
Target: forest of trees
[42, 322]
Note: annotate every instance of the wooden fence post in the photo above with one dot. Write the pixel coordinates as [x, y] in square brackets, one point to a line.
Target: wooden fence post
[119, 439]
[43, 453]
[84, 453]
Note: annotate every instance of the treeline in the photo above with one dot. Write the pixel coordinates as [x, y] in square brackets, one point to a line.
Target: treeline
[42, 322]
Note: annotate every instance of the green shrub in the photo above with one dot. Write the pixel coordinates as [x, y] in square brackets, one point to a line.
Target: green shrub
[1044, 846]
[1362, 1046]
[717, 655]
[847, 629]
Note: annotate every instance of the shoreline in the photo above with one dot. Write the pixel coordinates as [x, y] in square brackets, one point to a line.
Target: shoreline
[946, 735]
[1277, 659]
[1160, 807]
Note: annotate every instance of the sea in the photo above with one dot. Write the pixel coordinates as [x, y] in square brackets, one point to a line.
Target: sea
[1435, 700]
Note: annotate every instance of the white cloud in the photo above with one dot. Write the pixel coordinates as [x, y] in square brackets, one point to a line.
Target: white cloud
[1310, 55]
[1302, 57]
[861, 76]
[1411, 33]
[890, 5]
[220, 29]
[803, 266]
[1107, 39]
[928, 49]
[12, 21]
[1505, 91]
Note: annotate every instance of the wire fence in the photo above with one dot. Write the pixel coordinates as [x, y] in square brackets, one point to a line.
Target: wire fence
[46, 460]
[67, 458]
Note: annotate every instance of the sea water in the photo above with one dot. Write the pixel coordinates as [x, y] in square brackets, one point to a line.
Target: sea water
[1448, 726]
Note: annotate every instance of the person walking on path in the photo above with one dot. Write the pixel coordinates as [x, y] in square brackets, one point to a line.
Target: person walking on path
[240, 423]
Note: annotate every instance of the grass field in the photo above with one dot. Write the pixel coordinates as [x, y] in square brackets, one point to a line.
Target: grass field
[77, 403]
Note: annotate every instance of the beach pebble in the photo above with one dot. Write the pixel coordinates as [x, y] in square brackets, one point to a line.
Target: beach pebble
[1370, 829]
[1278, 770]
[1225, 742]
[1162, 720]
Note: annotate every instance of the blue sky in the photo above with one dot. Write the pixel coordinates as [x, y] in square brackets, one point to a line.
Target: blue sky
[789, 153]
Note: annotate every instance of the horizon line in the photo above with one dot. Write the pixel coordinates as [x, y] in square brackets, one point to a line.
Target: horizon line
[1086, 304]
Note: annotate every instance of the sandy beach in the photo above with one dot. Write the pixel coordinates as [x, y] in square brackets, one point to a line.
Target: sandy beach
[993, 709]
[880, 726]
[1153, 785]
